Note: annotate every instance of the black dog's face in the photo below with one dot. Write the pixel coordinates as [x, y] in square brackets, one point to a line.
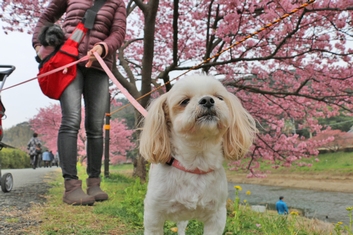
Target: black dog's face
[52, 35]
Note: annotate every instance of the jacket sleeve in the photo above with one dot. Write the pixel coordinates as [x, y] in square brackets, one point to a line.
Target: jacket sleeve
[285, 208]
[29, 144]
[116, 38]
[51, 14]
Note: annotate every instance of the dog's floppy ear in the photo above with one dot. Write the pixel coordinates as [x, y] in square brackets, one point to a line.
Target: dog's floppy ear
[241, 133]
[41, 37]
[154, 139]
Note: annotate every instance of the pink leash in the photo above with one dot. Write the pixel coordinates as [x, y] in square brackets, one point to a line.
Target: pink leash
[50, 72]
[132, 100]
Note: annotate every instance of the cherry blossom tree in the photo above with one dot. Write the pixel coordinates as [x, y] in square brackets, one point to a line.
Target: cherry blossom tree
[120, 141]
[339, 140]
[47, 123]
[295, 71]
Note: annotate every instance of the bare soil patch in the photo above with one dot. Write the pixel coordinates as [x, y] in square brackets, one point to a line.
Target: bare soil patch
[319, 182]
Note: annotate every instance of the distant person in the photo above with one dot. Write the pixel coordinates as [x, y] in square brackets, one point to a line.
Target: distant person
[281, 206]
[34, 148]
[51, 155]
[46, 158]
[57, 159]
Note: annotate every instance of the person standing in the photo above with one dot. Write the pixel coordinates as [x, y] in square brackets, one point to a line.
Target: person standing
[57, 159]
[46, 158]
[281, 206]
[34, 149]
[51, 155]
[91, 82]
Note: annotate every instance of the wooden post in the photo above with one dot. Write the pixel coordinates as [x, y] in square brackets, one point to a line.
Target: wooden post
[106, 146]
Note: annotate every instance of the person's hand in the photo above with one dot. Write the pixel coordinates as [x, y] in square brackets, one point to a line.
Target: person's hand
[96, 48]
[37, 49]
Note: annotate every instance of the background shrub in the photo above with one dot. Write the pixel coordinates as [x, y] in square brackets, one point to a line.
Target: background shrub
[14, 159]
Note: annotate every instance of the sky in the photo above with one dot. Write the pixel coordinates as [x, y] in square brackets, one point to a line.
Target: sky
[23, 101]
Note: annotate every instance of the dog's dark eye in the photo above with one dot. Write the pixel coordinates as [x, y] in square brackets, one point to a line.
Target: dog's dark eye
[219, 97]
[184, 102]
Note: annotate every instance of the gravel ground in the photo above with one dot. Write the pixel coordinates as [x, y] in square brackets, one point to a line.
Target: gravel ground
[15, 205]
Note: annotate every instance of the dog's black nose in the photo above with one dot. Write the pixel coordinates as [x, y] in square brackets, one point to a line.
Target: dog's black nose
[52, 41]
[207, 102]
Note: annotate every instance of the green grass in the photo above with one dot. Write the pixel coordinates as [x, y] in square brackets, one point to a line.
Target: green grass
[329, 163]
[122, 214]
[340, 162]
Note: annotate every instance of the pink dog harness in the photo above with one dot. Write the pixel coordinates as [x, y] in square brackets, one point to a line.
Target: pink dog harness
[174, 162]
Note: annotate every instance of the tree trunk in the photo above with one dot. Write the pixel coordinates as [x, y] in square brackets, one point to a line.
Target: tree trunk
[150, 12]
[140, 168]
[139, 162]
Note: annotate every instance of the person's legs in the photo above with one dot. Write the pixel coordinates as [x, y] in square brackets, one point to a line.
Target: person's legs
[96, 97]
[35, 161]
[70, 102]
[32, 161]
[39, 160]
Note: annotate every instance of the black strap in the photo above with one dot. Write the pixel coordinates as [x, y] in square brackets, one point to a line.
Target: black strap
[90, 15]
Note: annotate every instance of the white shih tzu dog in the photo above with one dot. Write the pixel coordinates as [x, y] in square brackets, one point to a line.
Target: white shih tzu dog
[187, 134]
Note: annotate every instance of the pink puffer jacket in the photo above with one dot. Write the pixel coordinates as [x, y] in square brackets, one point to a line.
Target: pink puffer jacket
[109, 28]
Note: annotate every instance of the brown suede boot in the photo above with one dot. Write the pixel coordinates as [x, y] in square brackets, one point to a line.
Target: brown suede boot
[93, 189]
[74, 195]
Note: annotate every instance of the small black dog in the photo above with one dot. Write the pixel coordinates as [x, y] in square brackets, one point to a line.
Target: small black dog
[50, 35]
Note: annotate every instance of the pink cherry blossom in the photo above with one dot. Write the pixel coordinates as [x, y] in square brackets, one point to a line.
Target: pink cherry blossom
[287, 76]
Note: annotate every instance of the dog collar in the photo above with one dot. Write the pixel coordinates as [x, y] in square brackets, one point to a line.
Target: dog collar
[174, 162]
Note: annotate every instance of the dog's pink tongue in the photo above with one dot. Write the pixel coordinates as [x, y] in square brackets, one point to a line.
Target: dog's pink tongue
[45, 51]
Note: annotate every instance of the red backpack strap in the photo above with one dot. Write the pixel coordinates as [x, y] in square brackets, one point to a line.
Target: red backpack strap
[70, 47]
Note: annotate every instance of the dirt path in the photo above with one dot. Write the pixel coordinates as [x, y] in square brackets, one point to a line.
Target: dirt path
[15, 205]
[320, 182]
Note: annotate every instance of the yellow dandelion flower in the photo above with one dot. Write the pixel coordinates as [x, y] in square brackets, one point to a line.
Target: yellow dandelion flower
[294, 213]
[245, 201]
[174, 229]
[349, 208]
[339, 223]
[248, 192]
[237, 187]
